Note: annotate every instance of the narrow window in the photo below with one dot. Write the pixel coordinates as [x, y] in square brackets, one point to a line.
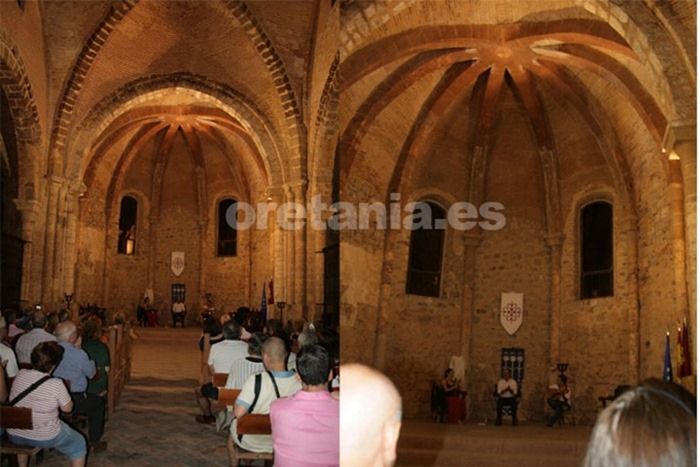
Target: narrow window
[596, 250]
[425, 250]
[127, 226]
[226, 245]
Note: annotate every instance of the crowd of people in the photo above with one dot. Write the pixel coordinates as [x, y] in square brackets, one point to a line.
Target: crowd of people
[289, 372]
[52, 365]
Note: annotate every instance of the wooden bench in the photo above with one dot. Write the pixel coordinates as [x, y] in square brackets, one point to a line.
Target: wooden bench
[219, 379]
[20, 418]
[119, 343]
[250, 424]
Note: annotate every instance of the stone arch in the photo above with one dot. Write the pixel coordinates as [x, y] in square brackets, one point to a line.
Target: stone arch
[296, 127]
[363, 19]
[326, 126]
[18, 90]
[233, 102]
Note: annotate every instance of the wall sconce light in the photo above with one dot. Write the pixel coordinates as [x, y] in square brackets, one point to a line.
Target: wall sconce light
[68, 297]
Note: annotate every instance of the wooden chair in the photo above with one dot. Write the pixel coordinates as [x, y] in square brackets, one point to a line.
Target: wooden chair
[219, 379]
[250, 424]
[227, 397]
[20, 418]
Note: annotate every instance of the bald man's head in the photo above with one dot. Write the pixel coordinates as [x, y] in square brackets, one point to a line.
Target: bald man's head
[370, 417]
[66, 332]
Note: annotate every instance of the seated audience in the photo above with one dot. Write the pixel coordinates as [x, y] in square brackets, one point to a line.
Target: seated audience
[142, 312]
[274, 383]
[305, 426]
[8, 360]
[559, 399]
[45, 400]
[242, 368]
[13, 331]
[98, 352]
[212, 327]
[27, 341]
[370, 418]
[221, 357]
[506, 396]
[650, 425]
[76, 369]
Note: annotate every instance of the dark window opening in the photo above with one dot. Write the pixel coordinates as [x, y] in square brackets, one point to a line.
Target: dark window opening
[597, 250]
[226, 245]
[425, 252]
[127, 226]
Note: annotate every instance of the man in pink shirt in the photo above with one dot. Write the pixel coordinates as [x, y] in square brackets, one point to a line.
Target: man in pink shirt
[306, 426]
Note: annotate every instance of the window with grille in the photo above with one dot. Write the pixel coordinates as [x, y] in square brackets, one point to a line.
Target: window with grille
[425, 251]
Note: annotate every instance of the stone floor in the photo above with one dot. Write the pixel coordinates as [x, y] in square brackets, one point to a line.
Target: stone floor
[154, 423]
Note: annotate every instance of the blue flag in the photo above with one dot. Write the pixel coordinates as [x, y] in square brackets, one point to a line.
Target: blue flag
[668, 371]
[263, 308]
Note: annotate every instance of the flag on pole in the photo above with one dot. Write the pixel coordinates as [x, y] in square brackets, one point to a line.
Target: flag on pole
[263, 309]
[271, 298]
[668, 371]
[684, 364]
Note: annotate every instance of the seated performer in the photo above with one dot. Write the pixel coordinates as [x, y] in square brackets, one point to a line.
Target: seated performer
[506, 394]
[178, 311]
[559, 399]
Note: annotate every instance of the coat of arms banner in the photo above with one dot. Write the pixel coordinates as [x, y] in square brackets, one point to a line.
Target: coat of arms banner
[177, 262]
[511, 311]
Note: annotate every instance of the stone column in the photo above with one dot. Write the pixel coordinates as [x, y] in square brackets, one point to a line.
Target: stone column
[153, 225]
[289, 255]
[29, 210]
[111, 240]
[300, 251]
[75, 189]
[554, 242]
[277, 251]
[203, 250]
[628, 231]
[472, 240]
[54, 187]
[57, 289]
[680, 141]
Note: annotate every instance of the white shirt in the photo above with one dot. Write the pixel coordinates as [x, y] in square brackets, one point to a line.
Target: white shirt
[224, 353]
[27, 341]
[7, 354]
[510, 387]
[178, 307]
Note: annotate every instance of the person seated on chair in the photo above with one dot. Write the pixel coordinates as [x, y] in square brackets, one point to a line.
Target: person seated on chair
[272, 384]
[559, 399]
[305, 426]
[450, 384]
[178, 311]
[45, 400]
[76, 369]
[221, 357]
[506, 396]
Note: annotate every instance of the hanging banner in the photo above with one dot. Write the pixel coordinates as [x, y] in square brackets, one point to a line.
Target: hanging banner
[177, 262]
[511, 311]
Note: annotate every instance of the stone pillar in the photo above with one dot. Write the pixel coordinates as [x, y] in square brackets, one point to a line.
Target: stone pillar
[75, 189]
[111, 241]
[29, 210]
[300, 251]
[628, 231]
[680, 141]
[203, 250]
[472, 240]
[153, 225]
[289, 255]
[554, 242]
[57, 289]
[54, 187]
[277, 252]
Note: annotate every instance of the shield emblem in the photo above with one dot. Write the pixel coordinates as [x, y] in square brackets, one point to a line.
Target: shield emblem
[511, 311]
[177, 262]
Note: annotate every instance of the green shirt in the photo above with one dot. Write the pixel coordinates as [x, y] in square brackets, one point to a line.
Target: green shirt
[99, 352]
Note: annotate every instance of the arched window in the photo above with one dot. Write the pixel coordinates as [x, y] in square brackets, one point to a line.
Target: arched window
[425, 250]
[597, 250]
[127, 226]
[226, 244]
